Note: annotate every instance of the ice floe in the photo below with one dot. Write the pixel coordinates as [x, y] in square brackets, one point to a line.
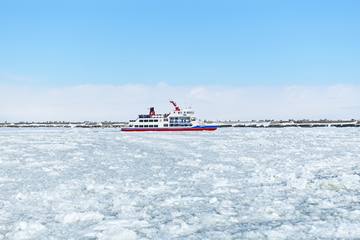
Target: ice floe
[231, 184]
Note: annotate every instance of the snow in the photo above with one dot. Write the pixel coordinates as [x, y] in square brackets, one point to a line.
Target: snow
[75, 217]
[25, 230]
[229, 184]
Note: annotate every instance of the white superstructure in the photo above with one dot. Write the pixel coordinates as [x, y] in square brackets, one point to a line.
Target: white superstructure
[178, 119]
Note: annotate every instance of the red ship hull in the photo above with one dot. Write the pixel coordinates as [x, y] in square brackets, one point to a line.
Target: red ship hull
[173, 129]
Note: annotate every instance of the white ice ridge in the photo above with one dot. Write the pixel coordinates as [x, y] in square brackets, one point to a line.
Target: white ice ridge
[230, 184]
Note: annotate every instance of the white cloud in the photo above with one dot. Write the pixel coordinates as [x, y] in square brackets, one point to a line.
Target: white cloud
[123, 102]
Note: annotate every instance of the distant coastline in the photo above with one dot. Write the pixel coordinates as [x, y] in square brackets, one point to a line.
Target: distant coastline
[62, 124]
[291, 123]
[221, 124]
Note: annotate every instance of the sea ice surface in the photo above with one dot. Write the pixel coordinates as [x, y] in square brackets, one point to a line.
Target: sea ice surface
[88, 184]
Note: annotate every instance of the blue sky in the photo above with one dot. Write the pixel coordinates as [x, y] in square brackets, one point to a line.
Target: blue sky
[110, 60]
[241, 43]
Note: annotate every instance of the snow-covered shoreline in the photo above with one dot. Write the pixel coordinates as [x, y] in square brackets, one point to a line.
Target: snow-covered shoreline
[237, 124]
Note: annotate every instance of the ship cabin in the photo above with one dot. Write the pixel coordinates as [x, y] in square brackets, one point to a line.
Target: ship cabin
[146, 120]
[174, 119]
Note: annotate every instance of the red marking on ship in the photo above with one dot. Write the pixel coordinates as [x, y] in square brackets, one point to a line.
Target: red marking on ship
[207, 128]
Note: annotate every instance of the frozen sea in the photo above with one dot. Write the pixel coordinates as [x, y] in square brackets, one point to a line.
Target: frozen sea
[291, 183]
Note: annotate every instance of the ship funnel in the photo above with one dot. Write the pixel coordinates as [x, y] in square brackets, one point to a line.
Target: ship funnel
[152, 111]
